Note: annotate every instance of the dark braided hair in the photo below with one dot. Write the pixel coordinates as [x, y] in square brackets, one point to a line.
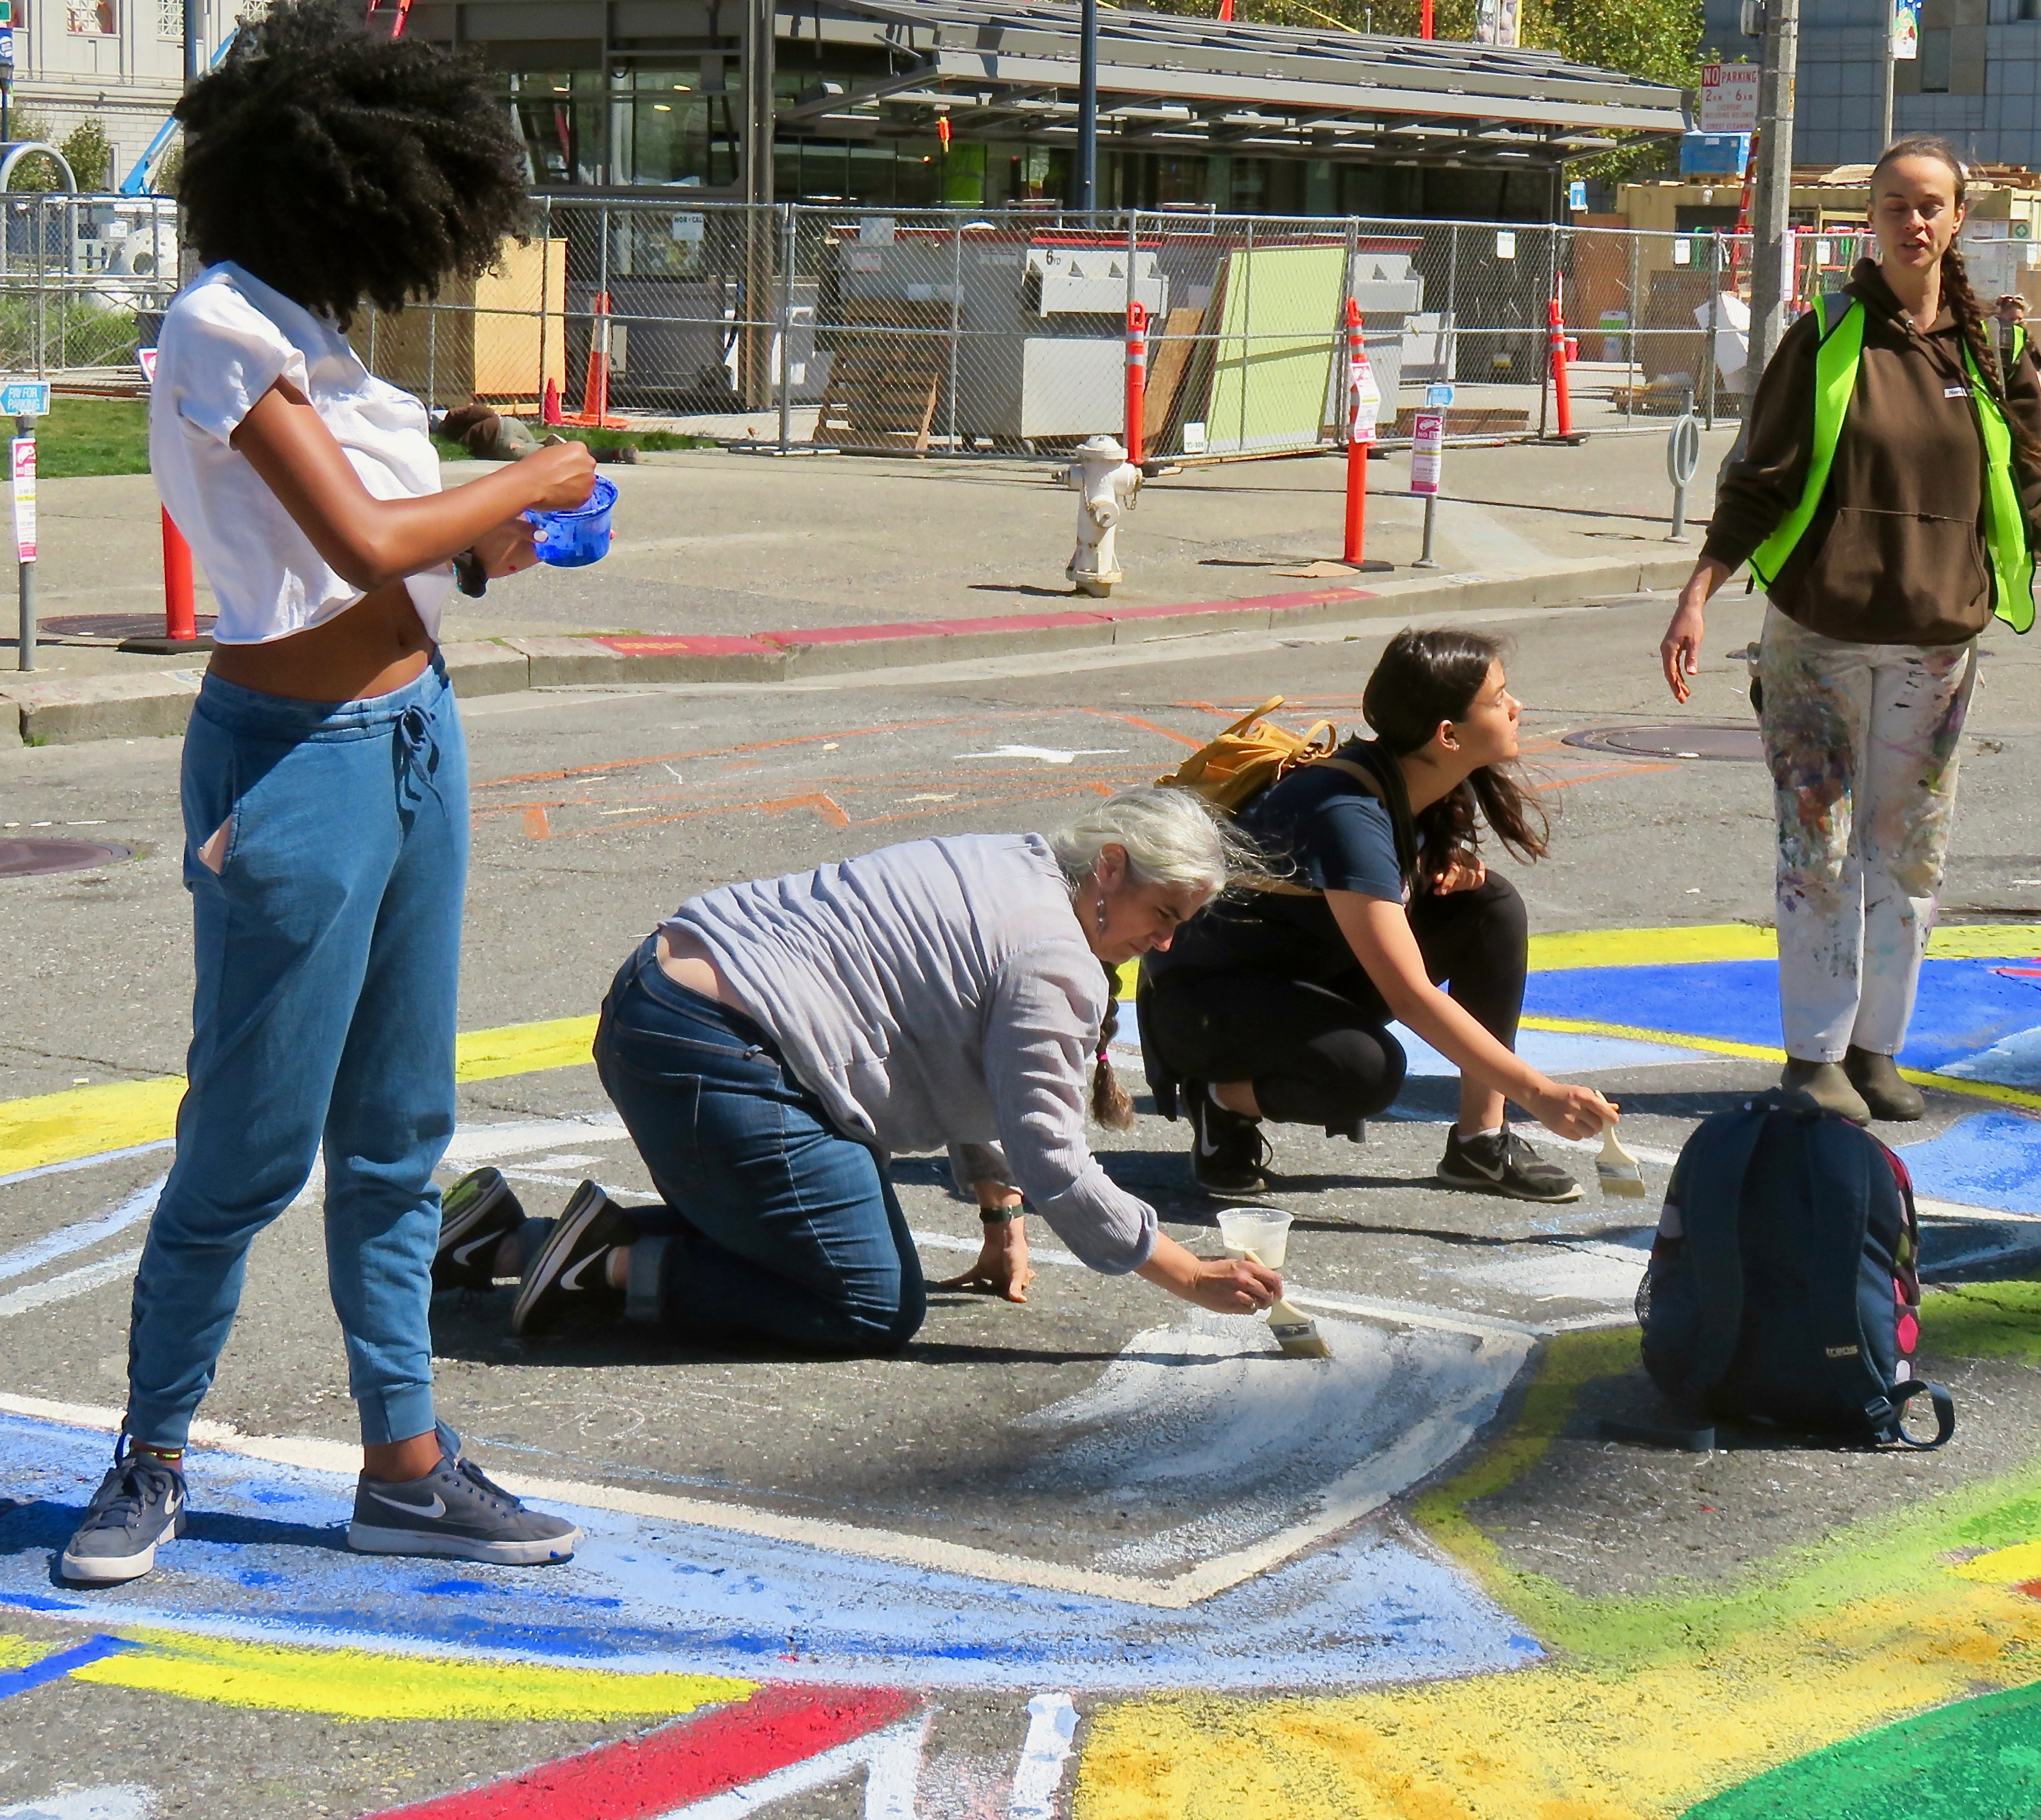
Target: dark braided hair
[339, 165]
[1424, 677]
[1956, 292]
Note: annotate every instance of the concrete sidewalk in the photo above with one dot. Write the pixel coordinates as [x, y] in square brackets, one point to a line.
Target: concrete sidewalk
[737, 566]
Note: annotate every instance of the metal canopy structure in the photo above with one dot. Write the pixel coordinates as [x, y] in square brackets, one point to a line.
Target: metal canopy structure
[1008, 68]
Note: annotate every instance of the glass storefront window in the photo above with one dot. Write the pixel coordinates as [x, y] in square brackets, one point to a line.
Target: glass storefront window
[678, 125]
[561, 116]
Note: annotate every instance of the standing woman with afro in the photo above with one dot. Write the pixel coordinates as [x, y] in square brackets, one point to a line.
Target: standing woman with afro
[324, 777]
[1886, 500]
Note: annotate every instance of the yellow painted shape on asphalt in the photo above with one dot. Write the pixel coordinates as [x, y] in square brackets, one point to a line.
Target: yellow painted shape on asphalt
[2004, 1566]
[117, 1115]
[1561, 1743]
[366, 1684]
[18, 1652]
[1743, 941]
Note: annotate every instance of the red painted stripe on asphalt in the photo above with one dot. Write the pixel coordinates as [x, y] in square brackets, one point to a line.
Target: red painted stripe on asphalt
[772, 644]
[722, 1749]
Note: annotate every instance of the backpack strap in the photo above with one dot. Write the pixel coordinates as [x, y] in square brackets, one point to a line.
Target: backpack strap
[1378, 775]
[1887, 1414]
[1713, 1246]
[1838, 1187]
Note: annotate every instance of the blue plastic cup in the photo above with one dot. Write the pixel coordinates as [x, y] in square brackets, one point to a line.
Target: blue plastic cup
[572, 539]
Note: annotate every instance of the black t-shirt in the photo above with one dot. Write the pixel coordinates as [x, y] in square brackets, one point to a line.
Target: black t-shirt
[1334, 836]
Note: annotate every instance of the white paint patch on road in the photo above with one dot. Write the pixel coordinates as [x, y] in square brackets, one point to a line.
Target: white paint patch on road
[122, 1801]
[474, 1145]
[891, 1759]
[1049, 754]
[67, 1239]
[1052, 1723]
[1604, 1273]
[1302, 1446]
[78, 1282]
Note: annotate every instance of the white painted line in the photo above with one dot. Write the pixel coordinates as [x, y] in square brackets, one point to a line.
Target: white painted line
[66, 1239]
[85, 1163]
[1052, 1723]
[120, 1801]
[894, 1757]
[72, 1283]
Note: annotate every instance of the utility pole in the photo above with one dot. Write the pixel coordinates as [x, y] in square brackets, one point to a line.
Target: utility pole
[1770, 231]
[1088, 108]
[194, 52]
[1888, 72]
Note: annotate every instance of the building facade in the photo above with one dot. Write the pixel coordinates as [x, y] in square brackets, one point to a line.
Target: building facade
[1977, 81]
[119, 62]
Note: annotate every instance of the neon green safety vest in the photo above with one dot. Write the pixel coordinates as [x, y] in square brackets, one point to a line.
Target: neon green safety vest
[1836, 364]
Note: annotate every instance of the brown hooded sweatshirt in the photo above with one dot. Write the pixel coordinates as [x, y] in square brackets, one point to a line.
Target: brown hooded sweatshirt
[1895, 553]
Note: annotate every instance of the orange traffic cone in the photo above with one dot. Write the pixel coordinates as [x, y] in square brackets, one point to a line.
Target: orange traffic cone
[549, 408]
[594, 414]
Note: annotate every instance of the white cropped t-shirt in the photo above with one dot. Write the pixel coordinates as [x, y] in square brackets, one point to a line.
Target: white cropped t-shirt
[226, 338]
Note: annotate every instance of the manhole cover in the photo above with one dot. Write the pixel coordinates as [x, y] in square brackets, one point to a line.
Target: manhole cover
[1681, 739]
[23, 859]
[111, 626]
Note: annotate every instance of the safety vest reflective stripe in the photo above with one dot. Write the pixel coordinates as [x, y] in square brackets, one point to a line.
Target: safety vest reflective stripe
[1835, 364]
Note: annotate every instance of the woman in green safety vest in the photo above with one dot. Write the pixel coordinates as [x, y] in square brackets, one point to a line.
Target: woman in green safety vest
[1886, 500]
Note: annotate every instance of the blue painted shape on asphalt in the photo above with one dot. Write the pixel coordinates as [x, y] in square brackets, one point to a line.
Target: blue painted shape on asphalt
[55, 1666]
[1554, 1052]
[645, 1594]
[1989, 1159]
[1965, 1006]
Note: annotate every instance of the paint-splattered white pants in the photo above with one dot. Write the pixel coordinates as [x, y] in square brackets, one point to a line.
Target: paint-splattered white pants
[1861, 740]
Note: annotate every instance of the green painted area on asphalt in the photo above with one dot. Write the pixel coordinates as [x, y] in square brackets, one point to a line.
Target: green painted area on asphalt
[1986, 1321]
[1978, 1760]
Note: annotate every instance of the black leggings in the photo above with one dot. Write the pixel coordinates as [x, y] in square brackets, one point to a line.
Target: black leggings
[1321, 1055]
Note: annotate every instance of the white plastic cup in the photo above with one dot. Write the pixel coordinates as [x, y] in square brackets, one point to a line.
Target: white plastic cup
[1260, 1230]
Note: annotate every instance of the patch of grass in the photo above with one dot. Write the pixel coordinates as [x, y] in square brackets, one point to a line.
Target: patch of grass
[92, 436]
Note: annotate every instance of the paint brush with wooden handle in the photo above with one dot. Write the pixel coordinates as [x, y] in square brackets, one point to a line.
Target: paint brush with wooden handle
[1297, 1334]
[1617, 1171]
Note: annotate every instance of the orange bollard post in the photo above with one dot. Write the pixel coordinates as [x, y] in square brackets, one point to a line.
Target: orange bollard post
[1360, 433]
[1137, 377]
[1561, 393]
[180, 601]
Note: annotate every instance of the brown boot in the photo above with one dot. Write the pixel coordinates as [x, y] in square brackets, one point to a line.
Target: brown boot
[1826, 1085]
[1877, 1078]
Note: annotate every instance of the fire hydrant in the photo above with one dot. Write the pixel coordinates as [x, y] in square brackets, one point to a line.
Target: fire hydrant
[1106, 483]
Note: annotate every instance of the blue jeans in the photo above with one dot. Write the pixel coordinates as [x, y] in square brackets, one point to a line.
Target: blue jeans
[328, 943]
[784, 1227]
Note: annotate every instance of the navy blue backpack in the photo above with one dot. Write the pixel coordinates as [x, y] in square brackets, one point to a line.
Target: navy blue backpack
[1784, 1285]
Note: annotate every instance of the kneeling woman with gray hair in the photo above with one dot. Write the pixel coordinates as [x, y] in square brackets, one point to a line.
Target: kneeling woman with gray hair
[771, 1045]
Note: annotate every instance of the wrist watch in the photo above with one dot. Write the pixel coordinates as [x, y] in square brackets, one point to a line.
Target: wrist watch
[999, 1216]
[469, 575]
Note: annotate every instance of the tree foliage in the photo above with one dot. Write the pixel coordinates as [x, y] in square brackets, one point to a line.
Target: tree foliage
[90, 154]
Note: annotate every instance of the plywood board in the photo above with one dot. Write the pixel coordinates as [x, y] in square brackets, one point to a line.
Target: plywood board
[1169, 360]
[1277, 332]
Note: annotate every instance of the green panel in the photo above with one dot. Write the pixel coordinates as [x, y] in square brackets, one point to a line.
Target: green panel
[964, 174]
[1278, 330]
[1978, 1760]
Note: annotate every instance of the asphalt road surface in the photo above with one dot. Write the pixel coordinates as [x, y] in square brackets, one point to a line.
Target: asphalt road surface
[1096, 1495]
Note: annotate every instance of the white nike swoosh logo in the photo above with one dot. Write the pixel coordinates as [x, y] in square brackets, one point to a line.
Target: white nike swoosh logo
[570, 1281]
[1494, 1174]
[436, 1507]
[463, 1254]
[1206, 1147]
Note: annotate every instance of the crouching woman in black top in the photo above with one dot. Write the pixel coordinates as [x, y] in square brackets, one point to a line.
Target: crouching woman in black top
[1275, 1003]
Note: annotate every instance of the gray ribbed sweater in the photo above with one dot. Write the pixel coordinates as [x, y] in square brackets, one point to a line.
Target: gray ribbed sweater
[935, 994]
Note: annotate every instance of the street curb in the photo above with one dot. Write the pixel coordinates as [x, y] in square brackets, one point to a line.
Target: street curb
[148, 704]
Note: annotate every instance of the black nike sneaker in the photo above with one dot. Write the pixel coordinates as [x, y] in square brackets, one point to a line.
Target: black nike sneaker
[1501, 1162]
[1228, 1152]
[573, 1260]
[476, 1214]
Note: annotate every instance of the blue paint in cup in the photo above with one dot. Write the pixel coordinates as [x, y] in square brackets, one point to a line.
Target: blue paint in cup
[572, 539]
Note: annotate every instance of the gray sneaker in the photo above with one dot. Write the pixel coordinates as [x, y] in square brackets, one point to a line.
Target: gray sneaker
[454, 1510]
[1503, 1163]
[139, 1503]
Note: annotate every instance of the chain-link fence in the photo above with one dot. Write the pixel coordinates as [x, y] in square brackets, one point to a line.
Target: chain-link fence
[83, 280]
[967, 332]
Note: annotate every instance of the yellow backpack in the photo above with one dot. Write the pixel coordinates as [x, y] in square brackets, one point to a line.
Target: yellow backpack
[1249, 756]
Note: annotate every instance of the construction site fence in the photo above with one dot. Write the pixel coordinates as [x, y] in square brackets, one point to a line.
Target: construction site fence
[968, 331]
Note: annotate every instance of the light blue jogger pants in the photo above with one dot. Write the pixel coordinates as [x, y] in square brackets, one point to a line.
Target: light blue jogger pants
[328, 951]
